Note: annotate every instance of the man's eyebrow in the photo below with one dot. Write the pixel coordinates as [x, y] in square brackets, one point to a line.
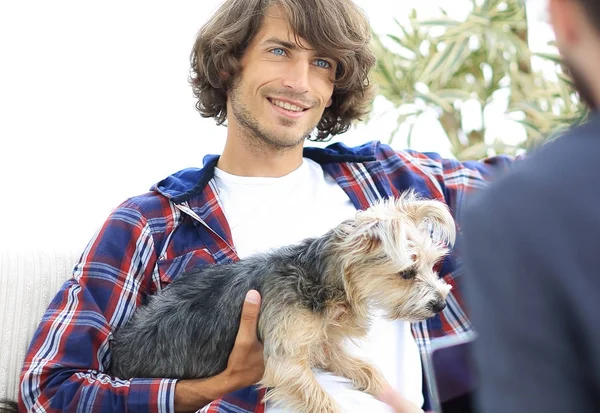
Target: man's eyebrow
[283, 43]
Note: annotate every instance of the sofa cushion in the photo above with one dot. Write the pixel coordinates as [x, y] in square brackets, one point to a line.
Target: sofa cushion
[29, 279]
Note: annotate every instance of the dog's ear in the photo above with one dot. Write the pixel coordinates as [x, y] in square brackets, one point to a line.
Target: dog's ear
[369, 222]
[361, 233]
[430, 215]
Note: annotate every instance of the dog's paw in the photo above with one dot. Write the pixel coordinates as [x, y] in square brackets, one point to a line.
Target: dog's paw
[368, 379]
[315, 401]
[328, 406]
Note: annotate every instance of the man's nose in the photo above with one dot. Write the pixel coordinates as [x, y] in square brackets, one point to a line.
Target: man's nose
[296, 77]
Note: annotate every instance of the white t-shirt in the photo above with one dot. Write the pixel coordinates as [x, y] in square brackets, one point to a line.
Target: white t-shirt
[265, 213]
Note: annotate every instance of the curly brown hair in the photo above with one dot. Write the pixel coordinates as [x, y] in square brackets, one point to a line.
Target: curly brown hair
[336, 28]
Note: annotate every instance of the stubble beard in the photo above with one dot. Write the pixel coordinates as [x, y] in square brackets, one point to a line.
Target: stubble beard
[582, 87]
[256, 134]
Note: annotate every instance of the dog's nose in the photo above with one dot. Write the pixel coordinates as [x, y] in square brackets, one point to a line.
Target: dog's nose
[438, 306]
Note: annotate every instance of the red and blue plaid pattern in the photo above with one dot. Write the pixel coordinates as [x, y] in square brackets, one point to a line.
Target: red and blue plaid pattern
[150, 239]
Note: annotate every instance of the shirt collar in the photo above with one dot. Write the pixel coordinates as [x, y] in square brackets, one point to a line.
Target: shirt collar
[188, 183]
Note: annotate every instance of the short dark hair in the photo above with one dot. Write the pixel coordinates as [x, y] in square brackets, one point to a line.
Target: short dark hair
[336, 27]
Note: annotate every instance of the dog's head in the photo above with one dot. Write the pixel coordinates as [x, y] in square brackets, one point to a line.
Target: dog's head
[389, 253]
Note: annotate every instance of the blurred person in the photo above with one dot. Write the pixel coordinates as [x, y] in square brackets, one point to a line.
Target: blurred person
[531, 255]
[278, 72]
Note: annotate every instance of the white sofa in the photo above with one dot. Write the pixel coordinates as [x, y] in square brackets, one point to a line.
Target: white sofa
[29, 279]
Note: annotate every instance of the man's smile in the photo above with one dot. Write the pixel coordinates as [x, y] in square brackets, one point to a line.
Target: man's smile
[287, 108]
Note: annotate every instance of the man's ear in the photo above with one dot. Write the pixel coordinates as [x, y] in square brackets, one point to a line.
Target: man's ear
[225, 83]
[224, 76]
[329, 102]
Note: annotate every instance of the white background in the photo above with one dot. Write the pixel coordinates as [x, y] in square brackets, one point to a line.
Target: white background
[95, 107]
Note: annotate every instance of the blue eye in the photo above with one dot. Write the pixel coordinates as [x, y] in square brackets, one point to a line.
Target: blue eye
[324, 64]
[278, 51]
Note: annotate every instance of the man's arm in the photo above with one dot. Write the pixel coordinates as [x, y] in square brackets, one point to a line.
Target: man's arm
[65, 367]
[455, 179]
[245, 365]
[448, 180]
[398, 403]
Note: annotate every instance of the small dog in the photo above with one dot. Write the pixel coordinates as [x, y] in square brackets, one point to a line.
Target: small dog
[315, 295]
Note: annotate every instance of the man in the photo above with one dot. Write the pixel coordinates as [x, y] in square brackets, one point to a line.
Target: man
[274, 70]
[531, 246]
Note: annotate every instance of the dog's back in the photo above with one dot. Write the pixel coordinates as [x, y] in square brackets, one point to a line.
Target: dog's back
[188, 329]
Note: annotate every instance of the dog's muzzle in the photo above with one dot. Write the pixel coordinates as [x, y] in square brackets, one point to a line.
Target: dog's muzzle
[437, 306]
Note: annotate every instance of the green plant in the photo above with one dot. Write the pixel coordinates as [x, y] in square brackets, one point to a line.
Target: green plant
[443, 63]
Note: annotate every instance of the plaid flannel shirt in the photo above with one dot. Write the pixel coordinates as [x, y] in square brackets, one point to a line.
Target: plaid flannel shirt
[150, 239]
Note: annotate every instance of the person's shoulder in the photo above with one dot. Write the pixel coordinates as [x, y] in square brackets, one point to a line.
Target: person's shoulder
[529, 182]
[141, 208]
[157, 201]
[561, 164]
[573, 156]
[373, 150]
[554, 176]
[340, 152]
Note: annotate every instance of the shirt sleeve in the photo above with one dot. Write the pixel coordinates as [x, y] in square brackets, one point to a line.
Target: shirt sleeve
[456, 179]
[66, 364]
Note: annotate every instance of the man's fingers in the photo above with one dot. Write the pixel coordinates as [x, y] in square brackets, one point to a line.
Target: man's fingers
[400, 405]
[250, 311]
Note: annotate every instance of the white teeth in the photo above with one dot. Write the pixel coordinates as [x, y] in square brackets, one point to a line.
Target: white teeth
[286, 106]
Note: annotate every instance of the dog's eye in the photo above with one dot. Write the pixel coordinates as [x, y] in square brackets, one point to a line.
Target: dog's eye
[408, 273]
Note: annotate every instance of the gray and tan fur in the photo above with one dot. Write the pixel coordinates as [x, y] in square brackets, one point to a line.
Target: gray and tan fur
[315, 295]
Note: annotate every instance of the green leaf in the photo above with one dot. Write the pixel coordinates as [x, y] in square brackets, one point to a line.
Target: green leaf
[454, 73]
[437, 63]
[400, 120]
[402, 43]
[435, 100]
[547, 56]
[530, 126]
[409, 136]
[445, 22]
[455, 59]
[452, 95]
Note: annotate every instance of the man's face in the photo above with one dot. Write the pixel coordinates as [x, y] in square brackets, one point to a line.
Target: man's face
[567, 20]
[283, 89]
[582, 87]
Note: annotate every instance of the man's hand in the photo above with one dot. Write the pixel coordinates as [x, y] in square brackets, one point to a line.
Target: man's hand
[245, 365]
[398, 403]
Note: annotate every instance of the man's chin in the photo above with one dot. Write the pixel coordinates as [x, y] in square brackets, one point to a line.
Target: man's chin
[580, 84]
[283, 139]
